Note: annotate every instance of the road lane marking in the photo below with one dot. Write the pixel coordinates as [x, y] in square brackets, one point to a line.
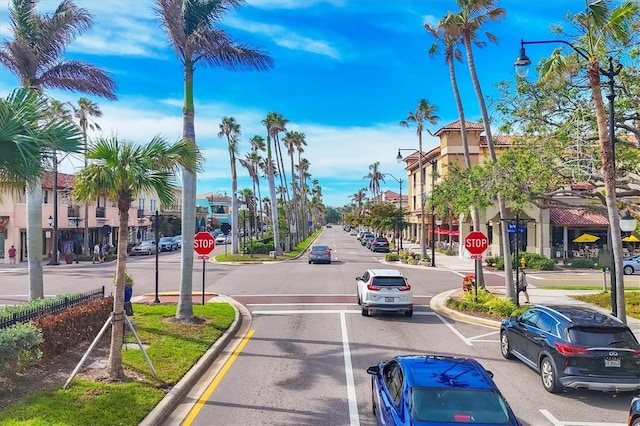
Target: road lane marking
[193, 413]
[557, 422]
[453, 330]
[354, 419]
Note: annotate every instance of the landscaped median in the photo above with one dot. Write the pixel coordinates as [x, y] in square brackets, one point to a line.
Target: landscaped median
[173, 347]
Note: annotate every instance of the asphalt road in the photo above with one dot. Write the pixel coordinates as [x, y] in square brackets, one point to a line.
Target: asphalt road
[302, 356]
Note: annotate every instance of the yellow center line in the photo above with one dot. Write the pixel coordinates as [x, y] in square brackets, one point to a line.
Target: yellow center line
[216, 381]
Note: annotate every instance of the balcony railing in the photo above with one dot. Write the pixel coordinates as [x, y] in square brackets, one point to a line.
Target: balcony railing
[101, 212]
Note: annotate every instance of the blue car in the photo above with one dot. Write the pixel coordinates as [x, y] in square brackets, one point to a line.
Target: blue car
[436, 390]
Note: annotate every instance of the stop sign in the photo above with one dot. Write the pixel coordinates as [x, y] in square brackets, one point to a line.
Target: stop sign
[476, 242]
[203, 243]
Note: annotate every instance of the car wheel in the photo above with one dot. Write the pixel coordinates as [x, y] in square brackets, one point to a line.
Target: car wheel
[408, 313]
[365, 312]
[505, 347]
[628, 270]
[149, 253]
[329, 262]
[310, 262]
[636, 421]
[549, 376]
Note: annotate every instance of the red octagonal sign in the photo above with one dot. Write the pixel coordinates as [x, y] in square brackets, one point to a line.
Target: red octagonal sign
[203, 243]
[476, 242]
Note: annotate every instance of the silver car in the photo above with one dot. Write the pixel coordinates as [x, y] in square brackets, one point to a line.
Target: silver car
[631, 265]
[320, 254]
[145, 247]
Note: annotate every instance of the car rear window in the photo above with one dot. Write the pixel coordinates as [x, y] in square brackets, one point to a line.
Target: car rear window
[319, 248]
[389, 281]
[601, 336]
[459, 405]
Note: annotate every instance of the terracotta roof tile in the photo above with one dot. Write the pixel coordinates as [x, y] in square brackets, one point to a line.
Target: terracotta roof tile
[456, 126]
[576, 217]
[499, 140]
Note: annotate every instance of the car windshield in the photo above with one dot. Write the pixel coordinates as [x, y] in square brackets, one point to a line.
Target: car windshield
[165, 239]
[601, 336]
[458, 405]
[389, 281]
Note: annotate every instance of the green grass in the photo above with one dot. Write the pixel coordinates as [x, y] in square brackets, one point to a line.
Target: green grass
[295, 252]
[582, 287]
[631, 301]
[173, 350]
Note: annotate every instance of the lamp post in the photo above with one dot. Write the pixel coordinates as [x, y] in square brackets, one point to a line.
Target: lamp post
[516, 224]
[400, 221]
[54, 221]
[423, 231]
[77, 221]
[522, 65]
[433, 215]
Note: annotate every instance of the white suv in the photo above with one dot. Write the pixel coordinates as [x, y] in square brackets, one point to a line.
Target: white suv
[384, 290]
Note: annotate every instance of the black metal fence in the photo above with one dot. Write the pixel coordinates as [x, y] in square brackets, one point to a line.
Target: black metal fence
[55, 306]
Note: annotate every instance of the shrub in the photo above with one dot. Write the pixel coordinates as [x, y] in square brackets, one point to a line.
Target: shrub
[449, 252]
[487, 302]
[19, 348]
[490, 261]
[73, 325]
[583, 263]
[391, 257]
[263, 246]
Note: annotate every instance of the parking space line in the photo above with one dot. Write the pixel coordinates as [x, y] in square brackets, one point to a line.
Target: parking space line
[354, 419]
[557, 422]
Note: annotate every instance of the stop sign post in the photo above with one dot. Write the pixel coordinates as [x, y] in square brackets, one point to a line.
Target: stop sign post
[203, 244]
[476, 243]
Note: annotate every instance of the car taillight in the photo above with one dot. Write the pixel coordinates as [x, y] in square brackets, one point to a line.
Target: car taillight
[568, 350]
[372, 287]
[327, 252]
[405, 288]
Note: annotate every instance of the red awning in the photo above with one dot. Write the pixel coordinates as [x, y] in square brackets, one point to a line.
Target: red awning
[576, 217]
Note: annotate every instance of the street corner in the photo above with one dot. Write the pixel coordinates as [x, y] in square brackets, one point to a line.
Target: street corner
[439, 304]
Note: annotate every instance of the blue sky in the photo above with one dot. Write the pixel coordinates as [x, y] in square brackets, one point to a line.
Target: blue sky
[346, 72]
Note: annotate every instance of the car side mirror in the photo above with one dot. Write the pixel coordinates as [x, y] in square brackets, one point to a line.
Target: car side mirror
[373, 370]
[358, 278]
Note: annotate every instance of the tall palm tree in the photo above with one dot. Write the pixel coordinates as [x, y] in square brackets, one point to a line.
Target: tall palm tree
[375, 176]
[193, 30]
[250, 163]
[447, 34]
[424, 112]
[28, 130]
[230, 129]
[293, 141]
[473, 15]
[83, 112]
[121, 171]
[257, 144]
[600, 25]
[34, 55]
[274, 124]
[358, 199]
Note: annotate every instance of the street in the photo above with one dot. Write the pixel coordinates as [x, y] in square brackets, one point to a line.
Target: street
[302, 357]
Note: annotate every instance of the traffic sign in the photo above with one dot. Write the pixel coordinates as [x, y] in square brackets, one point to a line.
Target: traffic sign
[203, 243]
[476, 242]
[476, 256]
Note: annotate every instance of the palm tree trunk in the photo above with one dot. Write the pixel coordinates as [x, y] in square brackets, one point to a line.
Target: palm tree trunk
[234, 207]
[34, 240]
[272, 200]
[508, 270]
[185, 302]
[117, 326]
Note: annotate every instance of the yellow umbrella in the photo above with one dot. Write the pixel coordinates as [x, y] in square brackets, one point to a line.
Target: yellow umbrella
[586, 238]
[631, 239]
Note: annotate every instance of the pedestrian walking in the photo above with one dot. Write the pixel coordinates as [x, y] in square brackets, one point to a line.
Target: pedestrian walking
[522, 287]
[12, 256]
[96, 253]
[103, 252]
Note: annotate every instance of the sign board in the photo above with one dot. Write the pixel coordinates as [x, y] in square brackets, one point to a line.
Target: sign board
[225, 228]
[476, 242]
[203, 243]
[476, 256]
[203, 257]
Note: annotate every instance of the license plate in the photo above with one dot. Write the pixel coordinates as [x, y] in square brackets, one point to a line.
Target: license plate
[390, 299]
[612, 362]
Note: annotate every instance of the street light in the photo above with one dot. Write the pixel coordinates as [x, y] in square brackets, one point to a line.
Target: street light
[522, 65]
[400, 222]
[54, 251]
[423, 231]
[54, 221]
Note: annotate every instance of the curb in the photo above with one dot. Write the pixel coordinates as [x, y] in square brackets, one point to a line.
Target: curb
[171, 400]
[438, 304]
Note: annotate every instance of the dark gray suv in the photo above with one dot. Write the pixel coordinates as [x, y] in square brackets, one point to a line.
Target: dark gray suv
[574, 347]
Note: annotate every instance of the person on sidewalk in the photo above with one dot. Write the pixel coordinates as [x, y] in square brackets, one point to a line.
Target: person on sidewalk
[522, 286]
[12, 256]
[96, 253]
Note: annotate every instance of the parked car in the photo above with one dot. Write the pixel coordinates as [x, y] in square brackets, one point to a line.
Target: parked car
[631, 265]
[223, 239]
[216, 232]
[634, 412]
[436, 390]
[178, 239]
[167, 244]
[145, 247]
[363, 235]
[366, 239]
[574, 347]
[379, 244]
[384, 290]
[353, 231]
[320, 254]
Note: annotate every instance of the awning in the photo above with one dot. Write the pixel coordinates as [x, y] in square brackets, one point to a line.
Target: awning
[576, 217]
[631, 239]
[586, 238]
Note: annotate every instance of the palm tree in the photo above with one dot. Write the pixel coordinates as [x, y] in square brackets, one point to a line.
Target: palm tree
[600, 25]
[193, 30]
[86, 109]
[29, 129]
[274, 123]
[469, 21]
[122, 170]
[448, 34]
[424, 112]
[231, 129]
[375, 176]
[34, 55]
[358, 199]
[294, 141]
[257, 144]
[250, 163]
